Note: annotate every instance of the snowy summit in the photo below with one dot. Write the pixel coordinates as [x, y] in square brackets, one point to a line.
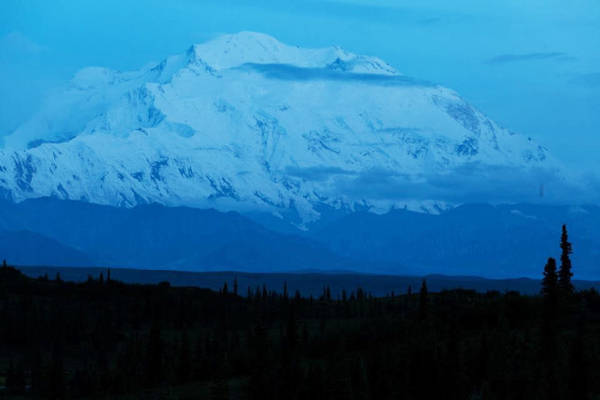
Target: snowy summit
[245, 122]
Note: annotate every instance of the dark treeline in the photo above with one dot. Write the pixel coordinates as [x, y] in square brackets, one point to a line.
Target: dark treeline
[106, 339]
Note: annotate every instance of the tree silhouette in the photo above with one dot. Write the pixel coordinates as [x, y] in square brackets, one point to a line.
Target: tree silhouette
[564, 273]
[550, 289]
[82, 340]
[549, 329]
[423, 300]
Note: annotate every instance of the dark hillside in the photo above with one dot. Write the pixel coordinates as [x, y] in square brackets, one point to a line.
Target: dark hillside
[106, 339]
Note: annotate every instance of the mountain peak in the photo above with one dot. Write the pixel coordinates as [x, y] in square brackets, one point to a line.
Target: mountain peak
[234, 50]
[239, 49]
[246, 122]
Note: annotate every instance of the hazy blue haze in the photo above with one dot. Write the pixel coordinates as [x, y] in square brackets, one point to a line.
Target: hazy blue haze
[533, 66]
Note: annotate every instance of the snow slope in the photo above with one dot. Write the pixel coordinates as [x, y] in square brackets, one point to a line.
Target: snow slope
[245, 122]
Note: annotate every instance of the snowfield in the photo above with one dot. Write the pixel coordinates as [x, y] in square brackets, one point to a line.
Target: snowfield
[244, 122]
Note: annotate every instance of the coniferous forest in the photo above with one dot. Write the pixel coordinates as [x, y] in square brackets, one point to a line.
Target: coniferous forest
[103, 339]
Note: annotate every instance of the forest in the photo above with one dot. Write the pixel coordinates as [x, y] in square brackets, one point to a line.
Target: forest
[104, 339]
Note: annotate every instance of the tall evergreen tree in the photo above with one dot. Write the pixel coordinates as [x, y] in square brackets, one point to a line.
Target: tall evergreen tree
[549, 354]
[564, 273]
[327, 293]
[423, 300]
[285, 290]
[550, 288]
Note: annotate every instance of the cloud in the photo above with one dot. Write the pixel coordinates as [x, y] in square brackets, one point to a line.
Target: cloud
[509, 58]
[16, 42]
[317, 173]
[591, 80]
[294, 73]
[468, 183]
[430, 21]
[472, 182]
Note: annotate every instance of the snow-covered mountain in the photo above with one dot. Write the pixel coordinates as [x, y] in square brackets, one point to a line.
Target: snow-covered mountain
[248, 123]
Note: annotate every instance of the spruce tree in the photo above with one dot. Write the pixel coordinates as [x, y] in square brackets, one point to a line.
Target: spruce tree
[550, 294]
[423, 300]
[564, 273]
[550, 283]
[549, 355]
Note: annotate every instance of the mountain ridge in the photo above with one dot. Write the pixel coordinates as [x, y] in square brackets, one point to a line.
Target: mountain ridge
[247, 123]
[483, 240]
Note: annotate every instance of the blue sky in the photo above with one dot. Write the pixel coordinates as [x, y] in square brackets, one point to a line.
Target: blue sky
[533, 65]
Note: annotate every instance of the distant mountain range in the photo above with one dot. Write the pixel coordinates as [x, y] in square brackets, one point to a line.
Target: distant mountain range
[247, 123]
[307, 283]
[249, 154]
[158, 236]
[483, 240]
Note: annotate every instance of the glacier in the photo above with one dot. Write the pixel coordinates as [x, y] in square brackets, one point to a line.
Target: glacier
[244, 122]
